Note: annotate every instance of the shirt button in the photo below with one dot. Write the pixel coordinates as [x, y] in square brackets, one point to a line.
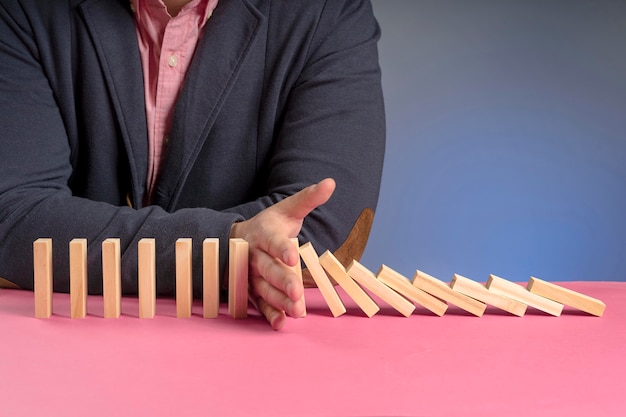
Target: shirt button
[172, 61]
[166, 140]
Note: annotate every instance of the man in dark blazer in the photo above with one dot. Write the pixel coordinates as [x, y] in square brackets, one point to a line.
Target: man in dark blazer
[280, 95]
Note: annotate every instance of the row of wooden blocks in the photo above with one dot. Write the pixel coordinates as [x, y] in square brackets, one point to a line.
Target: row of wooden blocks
[434, 294]
[146, 277]
[388, 285]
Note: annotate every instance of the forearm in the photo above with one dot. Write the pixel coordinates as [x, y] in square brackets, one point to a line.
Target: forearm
[63, 218]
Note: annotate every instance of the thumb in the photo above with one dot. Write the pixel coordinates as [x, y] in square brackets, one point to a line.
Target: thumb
[308, 199]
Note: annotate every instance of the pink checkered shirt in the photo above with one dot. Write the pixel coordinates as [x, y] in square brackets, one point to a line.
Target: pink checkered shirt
[166, 45]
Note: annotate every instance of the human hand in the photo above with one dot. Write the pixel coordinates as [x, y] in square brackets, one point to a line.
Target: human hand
[275, 288]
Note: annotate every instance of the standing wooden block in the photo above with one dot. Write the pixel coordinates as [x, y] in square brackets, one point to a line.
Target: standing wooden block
[441, 290]
[309, 256]
[111, 278]
[184, 286]
[566, 296]
[42, 266]
[146, 274]
[238, 278]
[297, 268]
[78, 278]
[367, 279]
[336, 270]
[517, 292]
[210, 278]
[399, 283]
[479, 292]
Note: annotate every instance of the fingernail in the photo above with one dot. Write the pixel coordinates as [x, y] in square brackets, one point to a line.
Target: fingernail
[298, 308]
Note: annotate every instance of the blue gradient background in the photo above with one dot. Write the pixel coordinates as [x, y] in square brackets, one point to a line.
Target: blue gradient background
[506, 139]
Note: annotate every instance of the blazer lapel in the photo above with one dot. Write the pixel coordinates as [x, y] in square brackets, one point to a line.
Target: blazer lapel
[112, 27]
[220, 53]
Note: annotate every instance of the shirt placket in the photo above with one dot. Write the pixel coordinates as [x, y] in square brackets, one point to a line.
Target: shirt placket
[172, 65]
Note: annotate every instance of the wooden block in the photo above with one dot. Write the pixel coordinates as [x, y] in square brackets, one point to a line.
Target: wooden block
[309, 256]
[238, 278]
[184, 284]
[298, 270]
[479, 292]
[336, 270]
[441, 290]
[146, 275]
[42, 266]
[367, 279]
[78, 278]
[399, 283]
[210, 278]
[517, 292]
[566, 296]
[111, 278]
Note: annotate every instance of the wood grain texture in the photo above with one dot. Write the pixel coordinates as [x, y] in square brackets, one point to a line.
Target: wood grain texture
[184, 278]
[479, 292]
[297, 268]
[309, 256]
[210, 278]
[367, 279]
[78, 278]
[238, 278]
[111, 278]
[353, 247]
[146, 275]
[441, 290]
[402, 285]
[517, 292]
[566, 296]
[336, 270]
[42, 266]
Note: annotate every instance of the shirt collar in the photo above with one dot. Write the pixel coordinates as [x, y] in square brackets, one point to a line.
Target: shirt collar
[204, 7]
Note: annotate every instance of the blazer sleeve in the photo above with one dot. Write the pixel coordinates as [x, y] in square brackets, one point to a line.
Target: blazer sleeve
[35, 200]
[333, 125]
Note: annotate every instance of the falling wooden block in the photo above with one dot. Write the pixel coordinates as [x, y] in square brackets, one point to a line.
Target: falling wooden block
[479, 292]
[78, 278]
[184, 286]
[210, 278]
[399, 283]
[336, 270]
[111, 278]
[441, 290]
[238, 278]
[309, 256]
[42, 266]
[367, 279]
[566, 296]
[297, 268]
[146, 274]
[517, 292]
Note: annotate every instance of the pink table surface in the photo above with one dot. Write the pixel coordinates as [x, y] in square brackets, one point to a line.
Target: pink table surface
[455, 365]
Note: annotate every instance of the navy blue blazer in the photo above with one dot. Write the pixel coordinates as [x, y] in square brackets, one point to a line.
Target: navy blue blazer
[280, 94]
